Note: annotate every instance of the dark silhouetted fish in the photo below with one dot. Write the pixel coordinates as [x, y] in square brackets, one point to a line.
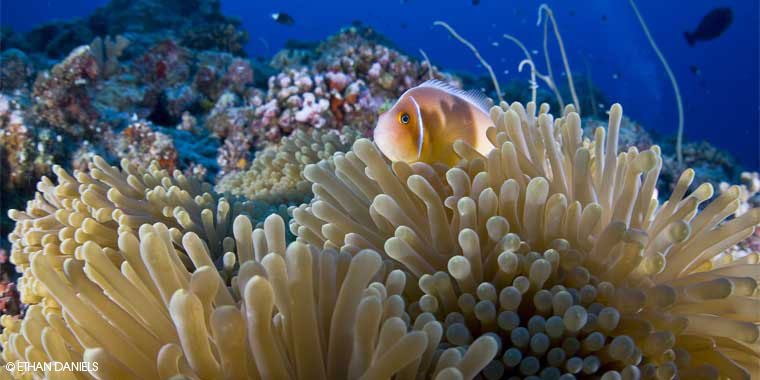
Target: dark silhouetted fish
[712, 25]
[604, 18]
[475, 2]
[694, 70]
[283, 18]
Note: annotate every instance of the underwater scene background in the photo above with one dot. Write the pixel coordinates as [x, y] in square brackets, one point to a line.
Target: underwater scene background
[603, 39]
[188, 184]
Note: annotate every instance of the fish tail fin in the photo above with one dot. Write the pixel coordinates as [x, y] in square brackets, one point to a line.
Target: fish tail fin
[689, 38]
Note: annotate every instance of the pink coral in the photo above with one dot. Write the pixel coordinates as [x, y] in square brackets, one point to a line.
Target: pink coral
[385, 71]
[239, 74]
[337, 80]
[298, 98]
[311, 111]
[346, 83]
[374, 71]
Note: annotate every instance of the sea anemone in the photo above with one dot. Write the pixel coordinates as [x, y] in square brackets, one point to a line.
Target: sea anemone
[288, 312]
[276, 174]
[559, 247]
[549, 257]
[99, 204]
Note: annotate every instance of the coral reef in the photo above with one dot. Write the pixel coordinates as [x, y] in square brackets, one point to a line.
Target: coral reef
[199, 24]
[89, 100]
[61, 94]
[141, 144]
[351, 76]
[276, 174]
[749, 198]
[26, 152]
[107, 52]
[137, 73]
[631, 134]
[16, 71]
[221, 37]
[710, 164]
[386, 72]
[164, 65]
[291, 98]
[10, 303]
[548, 257]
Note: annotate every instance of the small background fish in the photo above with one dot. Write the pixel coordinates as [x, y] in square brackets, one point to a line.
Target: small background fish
[283, 18]
[712, 25]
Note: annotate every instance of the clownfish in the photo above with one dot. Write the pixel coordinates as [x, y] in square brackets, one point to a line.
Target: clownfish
[426, 121]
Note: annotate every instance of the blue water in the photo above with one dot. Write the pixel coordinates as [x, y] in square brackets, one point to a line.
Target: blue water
[721, 104]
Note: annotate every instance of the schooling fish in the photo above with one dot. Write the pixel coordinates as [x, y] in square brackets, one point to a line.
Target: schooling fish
[712, 25]
[426, 121]
[283, 18]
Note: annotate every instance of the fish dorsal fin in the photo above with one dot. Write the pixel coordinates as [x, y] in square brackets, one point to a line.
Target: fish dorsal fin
[477, 98]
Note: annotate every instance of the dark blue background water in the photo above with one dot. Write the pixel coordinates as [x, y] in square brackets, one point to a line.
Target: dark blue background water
[721, 103]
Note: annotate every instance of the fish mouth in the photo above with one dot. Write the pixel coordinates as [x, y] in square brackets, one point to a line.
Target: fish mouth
[387, 140]
[384, 143]
[376, 132]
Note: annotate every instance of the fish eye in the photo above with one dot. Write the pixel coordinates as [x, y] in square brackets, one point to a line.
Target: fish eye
[404, 118]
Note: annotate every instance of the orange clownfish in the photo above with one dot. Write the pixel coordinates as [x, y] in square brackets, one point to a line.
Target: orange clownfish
[426, 121]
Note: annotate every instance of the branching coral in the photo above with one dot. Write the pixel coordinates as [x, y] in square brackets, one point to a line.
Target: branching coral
[556, 245]
[275, 175]
[107, 52]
